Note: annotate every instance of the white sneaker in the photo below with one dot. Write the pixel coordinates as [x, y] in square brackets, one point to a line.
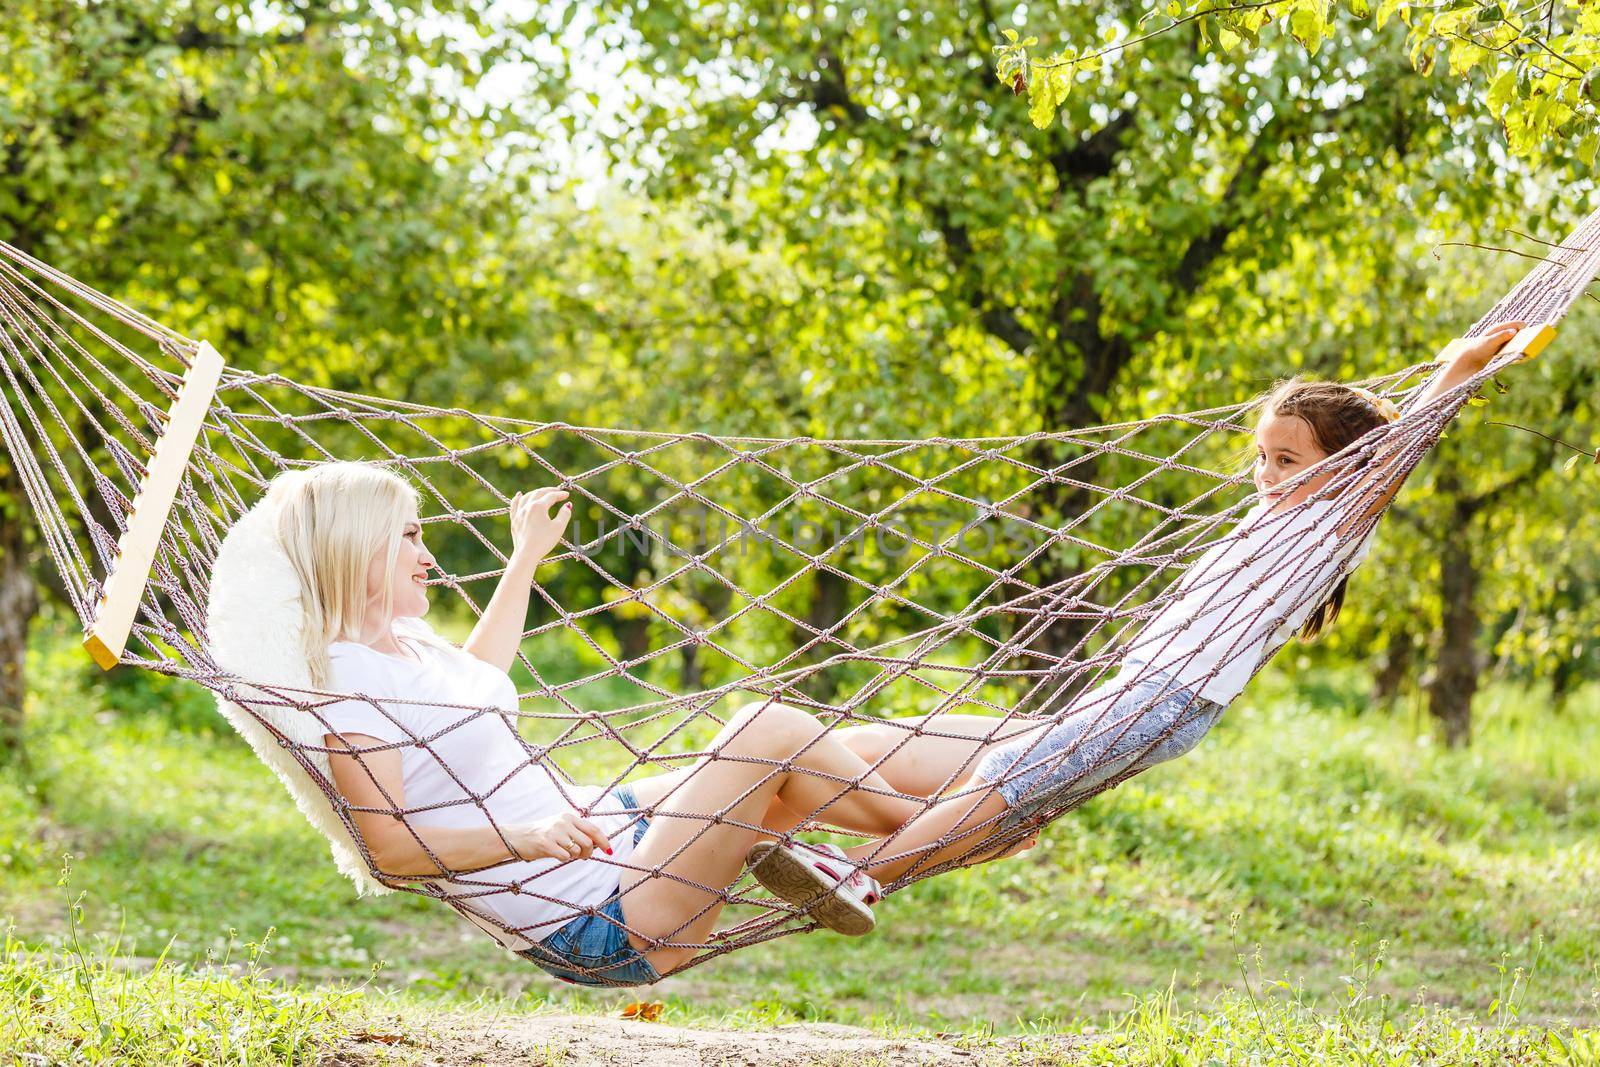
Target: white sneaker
[820, 880]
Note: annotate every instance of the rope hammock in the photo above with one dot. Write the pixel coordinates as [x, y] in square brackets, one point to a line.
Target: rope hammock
[862, 580]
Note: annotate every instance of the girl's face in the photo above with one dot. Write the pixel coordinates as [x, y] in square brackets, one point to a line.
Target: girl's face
[411, 565]
[1284, 448]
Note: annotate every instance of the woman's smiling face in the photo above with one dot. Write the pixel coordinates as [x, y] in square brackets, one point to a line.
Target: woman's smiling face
[409, 597]
[1285, 447]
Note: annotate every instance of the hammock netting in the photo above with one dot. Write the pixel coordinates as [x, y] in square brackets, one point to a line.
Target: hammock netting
[862, 580]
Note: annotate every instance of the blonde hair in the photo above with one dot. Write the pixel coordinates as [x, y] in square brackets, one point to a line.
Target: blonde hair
[333, 520]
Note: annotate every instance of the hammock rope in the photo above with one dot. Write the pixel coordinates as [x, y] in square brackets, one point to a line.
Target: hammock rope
[891, 577]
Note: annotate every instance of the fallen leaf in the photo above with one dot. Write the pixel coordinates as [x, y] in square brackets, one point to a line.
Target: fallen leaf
[648, 1010]
[381, 1039]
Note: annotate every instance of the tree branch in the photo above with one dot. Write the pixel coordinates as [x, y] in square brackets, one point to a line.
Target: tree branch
[1246, 180]
[1000, 320]
[1467, 507]
[1093, 156]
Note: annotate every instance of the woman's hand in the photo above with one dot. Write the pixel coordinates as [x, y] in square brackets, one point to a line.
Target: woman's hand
[535, 530]
[560, 837]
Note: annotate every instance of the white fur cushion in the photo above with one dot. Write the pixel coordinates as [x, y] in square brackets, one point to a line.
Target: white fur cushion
[254, 623]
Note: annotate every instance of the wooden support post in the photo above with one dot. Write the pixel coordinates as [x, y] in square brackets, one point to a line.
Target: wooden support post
[124, 587]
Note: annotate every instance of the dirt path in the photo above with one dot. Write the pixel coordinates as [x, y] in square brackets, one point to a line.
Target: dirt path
[595, 1040]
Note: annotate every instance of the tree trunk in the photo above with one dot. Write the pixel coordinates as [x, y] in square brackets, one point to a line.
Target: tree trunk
[830, 600]
[633, 635]
[19, 602]
[690, 670]
[1396, 668]
[1455, 677]
[1562, 678]
[712, 599]
[19, 599]
[1071, 377]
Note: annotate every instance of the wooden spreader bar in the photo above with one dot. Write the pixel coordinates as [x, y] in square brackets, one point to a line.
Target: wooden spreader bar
[124, 587]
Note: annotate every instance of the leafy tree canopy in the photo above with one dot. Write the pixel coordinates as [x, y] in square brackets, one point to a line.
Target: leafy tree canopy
[1532, 66]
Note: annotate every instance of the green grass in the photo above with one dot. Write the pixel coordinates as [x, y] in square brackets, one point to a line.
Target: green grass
[1307, 839]
[89, 1004]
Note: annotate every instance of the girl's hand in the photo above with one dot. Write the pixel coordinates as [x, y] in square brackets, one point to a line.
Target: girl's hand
[534, 529]
[560, 837]
[1475, 355]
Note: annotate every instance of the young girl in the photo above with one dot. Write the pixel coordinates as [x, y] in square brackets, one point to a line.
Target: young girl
[1283, 570]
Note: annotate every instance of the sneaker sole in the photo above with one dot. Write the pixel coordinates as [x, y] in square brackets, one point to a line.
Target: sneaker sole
[777, 869]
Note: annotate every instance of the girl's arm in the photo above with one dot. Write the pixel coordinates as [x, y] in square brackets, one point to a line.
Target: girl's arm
[1467, 361]
[401, 850]
[1462, 365]
[534, 532]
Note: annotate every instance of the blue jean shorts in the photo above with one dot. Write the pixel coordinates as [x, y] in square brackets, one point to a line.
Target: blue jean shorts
[1138, 719]
[597, 943]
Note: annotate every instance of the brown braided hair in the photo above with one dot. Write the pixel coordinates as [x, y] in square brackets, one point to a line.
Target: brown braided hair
[1337, 416]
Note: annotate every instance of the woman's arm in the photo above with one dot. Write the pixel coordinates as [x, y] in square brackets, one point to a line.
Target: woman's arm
[534, 532]
[401, 850]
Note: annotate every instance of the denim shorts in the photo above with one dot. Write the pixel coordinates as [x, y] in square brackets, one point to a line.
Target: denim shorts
[598, 942]
[1138, 719]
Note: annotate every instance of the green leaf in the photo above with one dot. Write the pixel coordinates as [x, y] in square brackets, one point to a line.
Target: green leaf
[1587, 149]
[1464, 56]
[1305, 26]
[1041, 98]
[1502, 90]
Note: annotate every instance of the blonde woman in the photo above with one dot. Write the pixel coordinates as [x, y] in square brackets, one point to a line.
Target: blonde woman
[597, 887]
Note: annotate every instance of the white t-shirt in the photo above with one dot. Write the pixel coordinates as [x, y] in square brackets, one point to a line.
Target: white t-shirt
[1246, 597]
[493, 766]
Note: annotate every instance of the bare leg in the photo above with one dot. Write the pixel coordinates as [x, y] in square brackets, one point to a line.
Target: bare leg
[648, 791]
[706, 818]
[925, 755]
[1114, 729]
[918, 843]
